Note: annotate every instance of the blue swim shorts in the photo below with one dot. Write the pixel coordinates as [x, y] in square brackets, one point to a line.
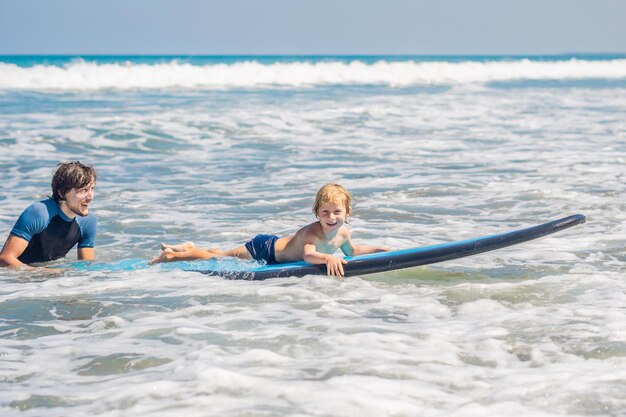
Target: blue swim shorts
[261, 247]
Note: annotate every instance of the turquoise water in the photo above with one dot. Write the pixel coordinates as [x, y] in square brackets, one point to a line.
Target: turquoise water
[218, 149]
[61, 60]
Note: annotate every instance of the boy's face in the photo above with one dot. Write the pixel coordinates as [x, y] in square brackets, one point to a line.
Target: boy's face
[332, 216]
[77, 200]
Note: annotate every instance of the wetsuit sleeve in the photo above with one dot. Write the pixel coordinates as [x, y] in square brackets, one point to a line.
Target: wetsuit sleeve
[32, 221]
[87, 232]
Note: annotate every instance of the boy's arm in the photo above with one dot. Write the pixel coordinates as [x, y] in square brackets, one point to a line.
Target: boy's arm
[365, 249]
[334, 265]
[350, 249]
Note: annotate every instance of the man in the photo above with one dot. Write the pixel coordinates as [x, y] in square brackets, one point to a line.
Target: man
[48, 229]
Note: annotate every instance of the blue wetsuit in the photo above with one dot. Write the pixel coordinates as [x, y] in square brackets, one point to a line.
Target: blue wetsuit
[50, 233]
[261, 247]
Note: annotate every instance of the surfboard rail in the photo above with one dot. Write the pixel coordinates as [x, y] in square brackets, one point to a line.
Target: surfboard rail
[407, 258]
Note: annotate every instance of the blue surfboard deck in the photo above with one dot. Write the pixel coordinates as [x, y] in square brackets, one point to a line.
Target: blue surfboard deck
[407, 258]
[232, 268]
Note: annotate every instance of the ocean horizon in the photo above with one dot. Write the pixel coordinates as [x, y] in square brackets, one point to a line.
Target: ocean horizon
[219, 72]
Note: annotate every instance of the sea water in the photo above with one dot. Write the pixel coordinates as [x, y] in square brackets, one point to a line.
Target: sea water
[217, 149]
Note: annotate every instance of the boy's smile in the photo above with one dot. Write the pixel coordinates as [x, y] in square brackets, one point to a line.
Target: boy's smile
[332, 216]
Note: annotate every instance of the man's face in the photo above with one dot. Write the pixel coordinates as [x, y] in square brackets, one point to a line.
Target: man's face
[77, 199]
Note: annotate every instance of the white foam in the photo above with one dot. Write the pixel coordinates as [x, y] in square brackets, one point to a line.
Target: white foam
[81, 75]
[535, 329]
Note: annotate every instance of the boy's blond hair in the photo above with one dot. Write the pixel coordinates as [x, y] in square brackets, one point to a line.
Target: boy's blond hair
[333, 193]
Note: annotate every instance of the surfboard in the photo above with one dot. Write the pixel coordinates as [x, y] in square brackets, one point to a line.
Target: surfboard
[399, 259]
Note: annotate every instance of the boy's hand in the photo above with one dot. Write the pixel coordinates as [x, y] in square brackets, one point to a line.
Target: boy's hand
[334, 266]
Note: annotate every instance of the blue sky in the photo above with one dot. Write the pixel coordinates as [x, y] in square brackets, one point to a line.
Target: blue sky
[301, 27]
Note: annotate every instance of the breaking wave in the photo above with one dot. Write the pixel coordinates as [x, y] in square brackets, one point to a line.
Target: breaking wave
[85, 75]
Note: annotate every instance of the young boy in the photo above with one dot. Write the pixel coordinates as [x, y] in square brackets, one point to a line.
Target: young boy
[315, 243]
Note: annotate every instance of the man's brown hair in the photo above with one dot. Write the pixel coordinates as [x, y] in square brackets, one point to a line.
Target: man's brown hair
[71, 175]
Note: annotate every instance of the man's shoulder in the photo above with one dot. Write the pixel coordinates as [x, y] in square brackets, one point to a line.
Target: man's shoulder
[89, 219]
[87, 225]
[41, 209]
[34, 219]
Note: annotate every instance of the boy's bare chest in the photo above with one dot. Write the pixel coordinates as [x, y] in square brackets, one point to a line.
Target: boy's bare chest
[330, 246]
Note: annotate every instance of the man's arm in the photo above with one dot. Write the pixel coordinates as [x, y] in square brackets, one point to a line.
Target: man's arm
[86, 254]
[88, 225]
[11, 251]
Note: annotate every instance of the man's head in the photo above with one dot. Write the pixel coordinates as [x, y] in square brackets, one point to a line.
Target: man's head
[74, 181]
